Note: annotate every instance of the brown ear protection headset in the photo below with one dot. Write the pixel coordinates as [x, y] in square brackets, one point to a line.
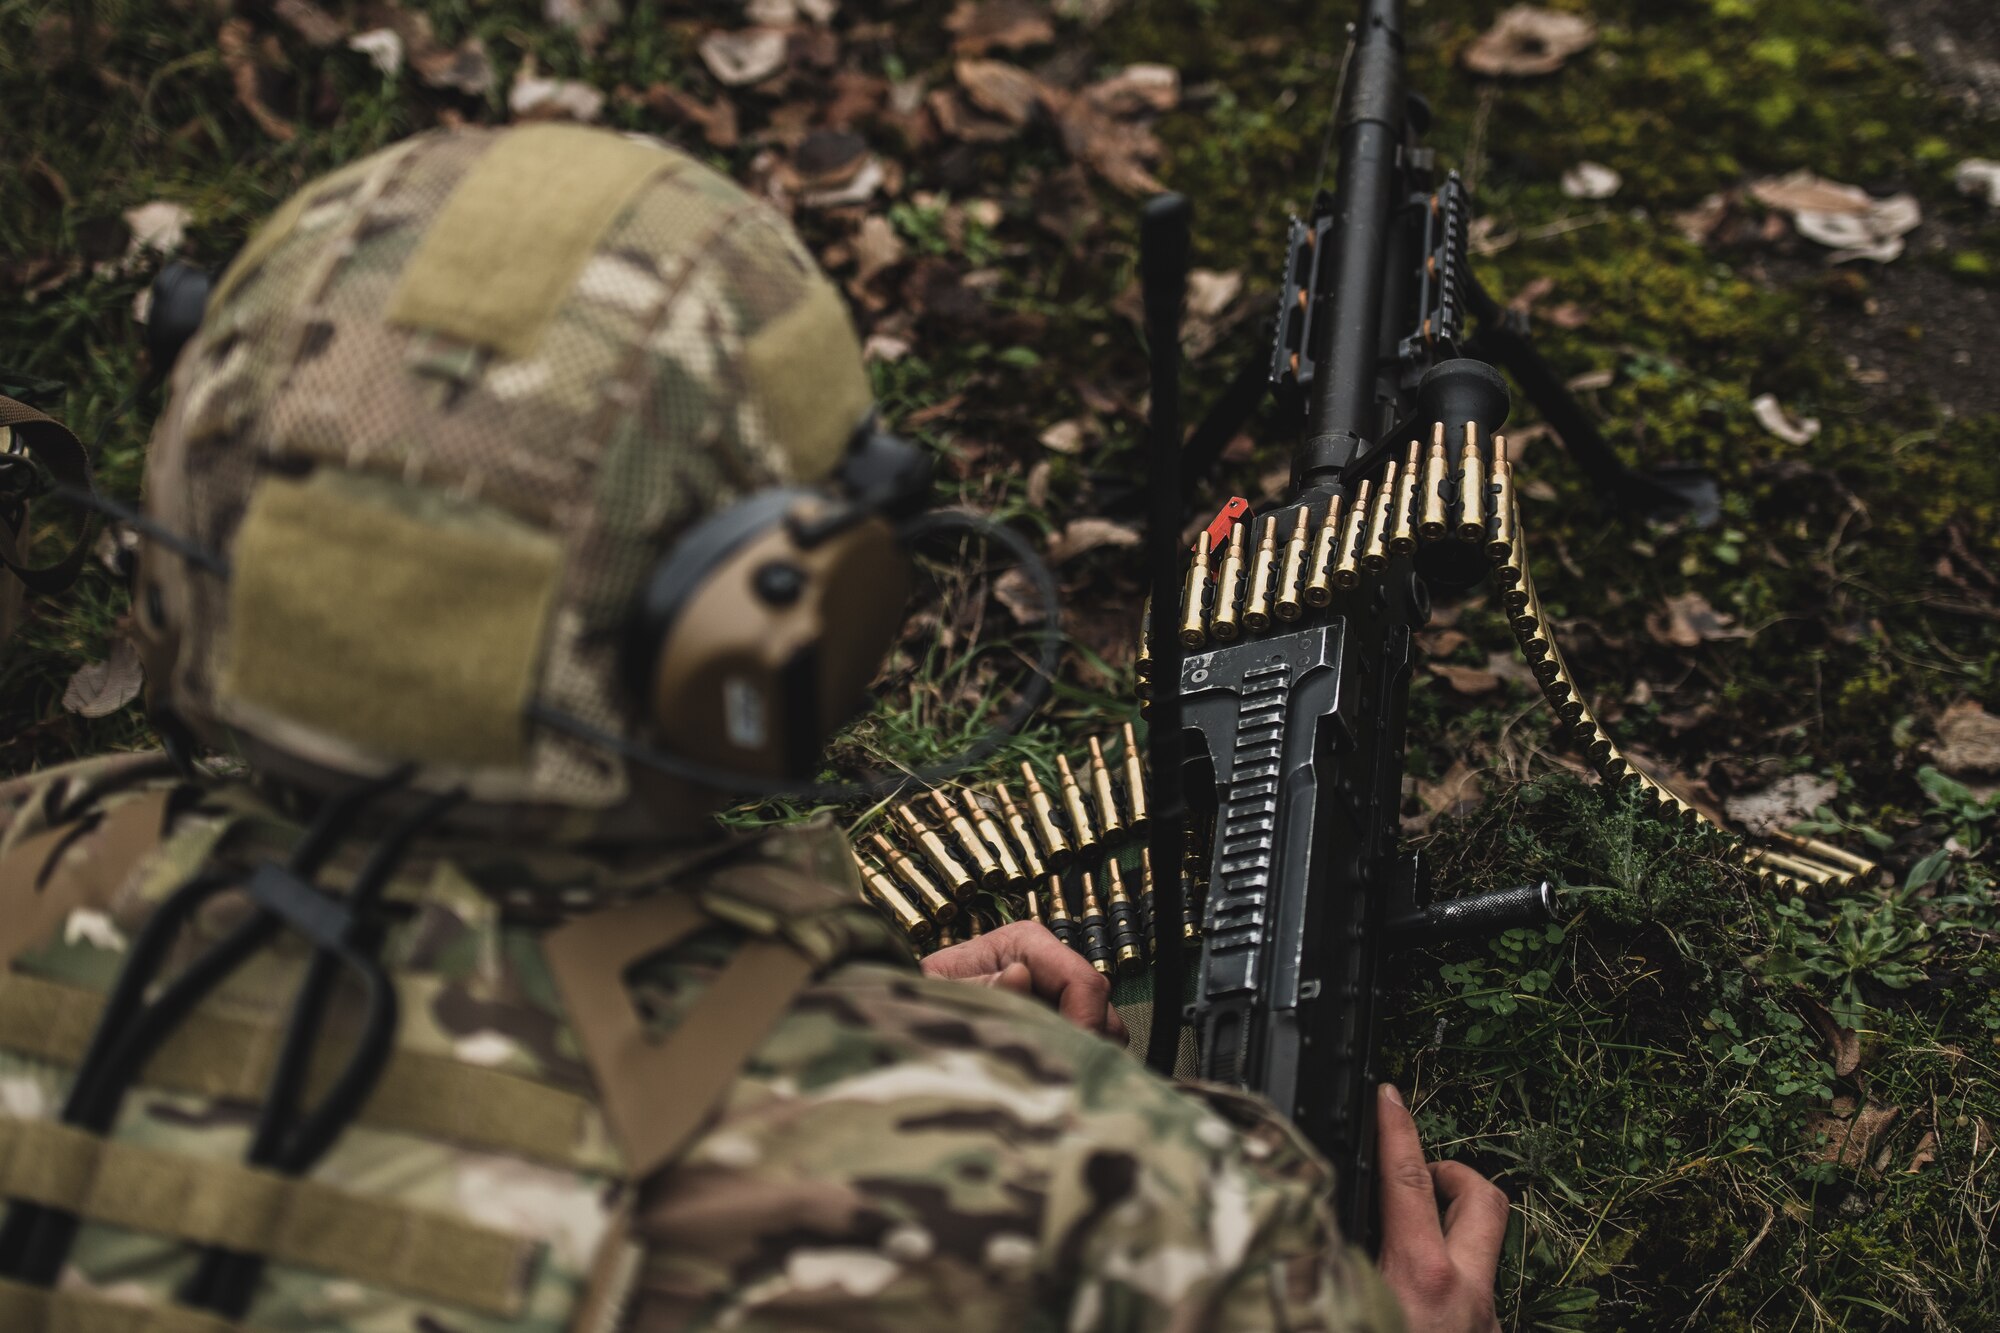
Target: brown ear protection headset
[757, 633]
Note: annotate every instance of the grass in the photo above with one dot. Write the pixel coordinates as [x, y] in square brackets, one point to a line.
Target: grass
[1650, 1082]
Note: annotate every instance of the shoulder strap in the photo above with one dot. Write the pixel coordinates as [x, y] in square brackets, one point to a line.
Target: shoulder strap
[658, 1094]
[63, 454]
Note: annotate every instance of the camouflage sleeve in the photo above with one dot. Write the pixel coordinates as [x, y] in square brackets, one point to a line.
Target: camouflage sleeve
[905, 1153]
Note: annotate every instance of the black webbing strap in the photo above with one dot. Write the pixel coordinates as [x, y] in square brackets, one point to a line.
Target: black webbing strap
[58, 449]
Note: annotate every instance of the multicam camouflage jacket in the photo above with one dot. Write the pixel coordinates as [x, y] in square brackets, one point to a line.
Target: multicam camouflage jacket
[893, 1152]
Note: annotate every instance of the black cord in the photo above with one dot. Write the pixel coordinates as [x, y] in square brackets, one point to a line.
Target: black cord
[192, 552]
[35, 1240]
[226, 1280]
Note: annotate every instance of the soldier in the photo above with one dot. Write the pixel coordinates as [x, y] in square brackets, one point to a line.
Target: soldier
[515, 504]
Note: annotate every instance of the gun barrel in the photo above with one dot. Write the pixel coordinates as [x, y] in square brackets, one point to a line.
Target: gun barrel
[1348, 391]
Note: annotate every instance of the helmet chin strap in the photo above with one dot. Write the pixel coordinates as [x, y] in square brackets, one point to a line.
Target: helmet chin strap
[924, 527]
[1034, 693]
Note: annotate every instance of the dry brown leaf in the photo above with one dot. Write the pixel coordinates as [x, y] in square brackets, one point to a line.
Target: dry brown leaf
[1689, 621]
[1065, 437]
[978, 26]
[1441, 642]
[318, 27]
[1039, 477]
[1771, 415]
[876, 247]
[1527, 40]
[1784, 803]
[1137, 89]
[1968, 743]
[535, 98]
[1005, 90]
[1115, 150]
[383, 48]
[1087, 534]
[1465, 679]
[1016, 591]
[1458, 792]
[464, 68]
[99, 689]
[1850, 1139]
[1697, 224]
[1843, 1045]
[1804, 192]
[1591, 180]
[234, 40]
[739, 59]
[717, 123]
[1509, 667]
[1925, 1153]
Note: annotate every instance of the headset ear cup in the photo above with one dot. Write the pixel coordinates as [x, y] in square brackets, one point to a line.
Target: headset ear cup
[763, 643]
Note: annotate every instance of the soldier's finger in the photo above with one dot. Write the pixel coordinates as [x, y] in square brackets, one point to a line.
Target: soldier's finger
[1014, 977]
[1410, 1226]
[1475, 1216]
[969, 961]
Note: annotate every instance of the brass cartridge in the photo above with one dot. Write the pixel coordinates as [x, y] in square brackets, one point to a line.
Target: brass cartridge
[940, 908]
[1292, 575]
[1225, 625]
[995, 840]
[1501, 547]
[1017, 824]
[1430, 526]
[883, 891]
[1257, 605]
[1403, 532]
[957, 878]
[975, 927]
[1347, 565]
[1096, 947]
[1125, 938]
[1319, 581]
[1804, 869]
[946, 937]
[1471, 488]
[1108, 821]
[1375, 551]
[1827, 853]
[1135, 778]
[1061, 923]
[1194, 600]
[974, 847]
[1054, 844]
[1194, 884]
[1081, 831]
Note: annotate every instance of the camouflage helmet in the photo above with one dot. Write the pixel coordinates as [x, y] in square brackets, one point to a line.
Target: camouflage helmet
[443, 413]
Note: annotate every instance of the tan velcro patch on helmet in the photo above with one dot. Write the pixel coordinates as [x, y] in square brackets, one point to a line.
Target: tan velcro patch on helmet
[517, 231]
[396, 619]
[806, 376]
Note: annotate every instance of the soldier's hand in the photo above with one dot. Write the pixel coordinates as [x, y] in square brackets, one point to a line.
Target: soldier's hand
[1027, 958]
[1441, 1269]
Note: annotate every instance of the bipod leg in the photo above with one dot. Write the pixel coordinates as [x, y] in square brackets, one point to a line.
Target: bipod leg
[1503, 340]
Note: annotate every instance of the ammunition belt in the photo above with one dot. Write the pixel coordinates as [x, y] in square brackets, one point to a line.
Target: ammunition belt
[1064, 860]
[947, 871]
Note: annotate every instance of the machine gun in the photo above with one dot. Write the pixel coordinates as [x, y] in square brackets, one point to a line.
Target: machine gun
[1276, 663]
[1279, 656]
